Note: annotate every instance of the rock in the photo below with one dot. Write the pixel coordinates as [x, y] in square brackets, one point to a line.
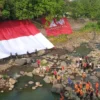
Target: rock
[30, 82]
[20, 62]
[36, 71]
[33, 88]
[29, 74]
[47, 79]
[26, 85]
[68, 88]
[12, 86]
[16, 76]
[11, 61]
[41, 75]
[28, 60]
[12, 81]
[54, 61]
[63, 57]
[1, 76]
[63, 63]
[57, 88]
[44, 61]
[22, 72]
[35, 65]
[69, 71]
[72, 77]
[98, 74]
[50, 56]
[10, 89]
[41, 52]
[37, 83]
[69, 47]
[40, 85]
[2, 91]
[94, 78]
[2, 83]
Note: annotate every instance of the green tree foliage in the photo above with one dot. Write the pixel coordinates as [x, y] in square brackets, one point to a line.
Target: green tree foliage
[28, 9]
[84, 8]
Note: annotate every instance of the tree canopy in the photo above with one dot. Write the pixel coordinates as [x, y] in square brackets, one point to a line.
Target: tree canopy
[84, 8]
[29, 9]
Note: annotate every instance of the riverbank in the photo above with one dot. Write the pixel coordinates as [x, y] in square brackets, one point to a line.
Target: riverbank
[62, 55]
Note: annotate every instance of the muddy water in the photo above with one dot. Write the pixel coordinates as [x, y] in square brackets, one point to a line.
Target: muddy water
[26, 93]
[83, 50]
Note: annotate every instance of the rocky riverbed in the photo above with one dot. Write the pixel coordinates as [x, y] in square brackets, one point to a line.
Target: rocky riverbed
[55, 58]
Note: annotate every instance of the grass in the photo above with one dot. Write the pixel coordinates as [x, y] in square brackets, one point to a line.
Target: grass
[58, 39]
[88, 28]
[91, 26]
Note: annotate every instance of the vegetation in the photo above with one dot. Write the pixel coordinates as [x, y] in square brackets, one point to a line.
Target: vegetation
[29, 9]
[58, 39]
[84, 9]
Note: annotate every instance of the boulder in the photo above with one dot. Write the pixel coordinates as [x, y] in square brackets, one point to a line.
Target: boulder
[35, 65]
[63, 63]
[12, 81]
[72, 77]
[37, 83]
[36, 71]
[2, 83]
[40, 85]
[30, 82]
[57, 88]
[10, 89]
[28, 60]
[94, 79]
[68, 88]
[26, 85]
[44, 61]
[16, 75]
[69, 48]
[29, 74]
[2, 91]
[22, 72]
[63, 57]
[47, 79]
[41, 52]
[33, 88]
[98, 74]
[20, 62]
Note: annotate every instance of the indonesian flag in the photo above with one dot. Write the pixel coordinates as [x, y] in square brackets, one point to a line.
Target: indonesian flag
[55, 28]
[21, 36]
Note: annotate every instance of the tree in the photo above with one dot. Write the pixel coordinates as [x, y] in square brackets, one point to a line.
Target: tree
[28, 9]
[85, 8]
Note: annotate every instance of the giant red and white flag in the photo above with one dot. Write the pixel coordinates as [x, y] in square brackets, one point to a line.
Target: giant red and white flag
[55, 27]
[21, 37]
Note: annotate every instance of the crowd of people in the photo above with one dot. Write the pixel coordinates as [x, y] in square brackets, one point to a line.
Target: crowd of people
[83, 89]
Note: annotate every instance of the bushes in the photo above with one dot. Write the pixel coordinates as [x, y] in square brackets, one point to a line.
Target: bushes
[91, 26]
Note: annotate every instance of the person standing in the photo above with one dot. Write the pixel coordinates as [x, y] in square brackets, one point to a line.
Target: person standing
[96, 85]
[55, 73]
[91, 94]
[38, 62]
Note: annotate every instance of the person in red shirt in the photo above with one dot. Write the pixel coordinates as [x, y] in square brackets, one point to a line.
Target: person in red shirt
[47, 69]
[97, 85]
[38, 62]
[55, 73]
[62, 67]
[97, 93]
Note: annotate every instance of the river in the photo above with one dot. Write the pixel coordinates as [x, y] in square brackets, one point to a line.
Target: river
[41, 93]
